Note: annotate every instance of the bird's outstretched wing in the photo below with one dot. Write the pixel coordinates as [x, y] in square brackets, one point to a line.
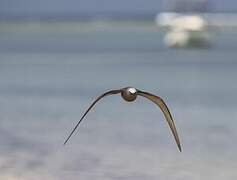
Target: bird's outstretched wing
[100, 97]
[157, 100]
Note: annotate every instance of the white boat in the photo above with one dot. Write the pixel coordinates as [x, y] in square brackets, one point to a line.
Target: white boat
[189, 24]
[184, 30]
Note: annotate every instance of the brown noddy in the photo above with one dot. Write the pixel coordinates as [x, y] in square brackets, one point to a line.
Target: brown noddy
[130, 94]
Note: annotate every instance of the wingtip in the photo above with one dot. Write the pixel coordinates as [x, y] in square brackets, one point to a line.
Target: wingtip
[65, 142]
[180, 149]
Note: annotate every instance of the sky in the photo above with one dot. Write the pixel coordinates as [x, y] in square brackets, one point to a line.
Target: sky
[94, 7]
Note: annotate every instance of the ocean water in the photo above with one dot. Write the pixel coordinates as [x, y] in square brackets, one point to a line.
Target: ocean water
[51, 72]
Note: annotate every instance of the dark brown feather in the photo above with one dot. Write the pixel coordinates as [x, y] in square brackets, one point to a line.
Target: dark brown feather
[100, 97]
[157, 100]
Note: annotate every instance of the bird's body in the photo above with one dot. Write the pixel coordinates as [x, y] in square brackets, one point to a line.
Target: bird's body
[130, 94]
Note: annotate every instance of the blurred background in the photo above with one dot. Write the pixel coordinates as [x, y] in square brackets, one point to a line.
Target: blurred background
[56, 57]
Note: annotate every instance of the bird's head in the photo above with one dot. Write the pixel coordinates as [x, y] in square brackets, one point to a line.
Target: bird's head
[129, 94]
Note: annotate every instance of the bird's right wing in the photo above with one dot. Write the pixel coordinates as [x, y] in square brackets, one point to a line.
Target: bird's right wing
[158, 101]
[100, 97]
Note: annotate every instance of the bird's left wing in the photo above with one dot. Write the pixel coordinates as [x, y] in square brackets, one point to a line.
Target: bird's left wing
[100, 97]
[157, 100]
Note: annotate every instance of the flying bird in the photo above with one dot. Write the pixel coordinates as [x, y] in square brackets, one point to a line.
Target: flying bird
[130, 94]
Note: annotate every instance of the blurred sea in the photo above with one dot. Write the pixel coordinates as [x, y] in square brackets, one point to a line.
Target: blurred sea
[50, 72]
